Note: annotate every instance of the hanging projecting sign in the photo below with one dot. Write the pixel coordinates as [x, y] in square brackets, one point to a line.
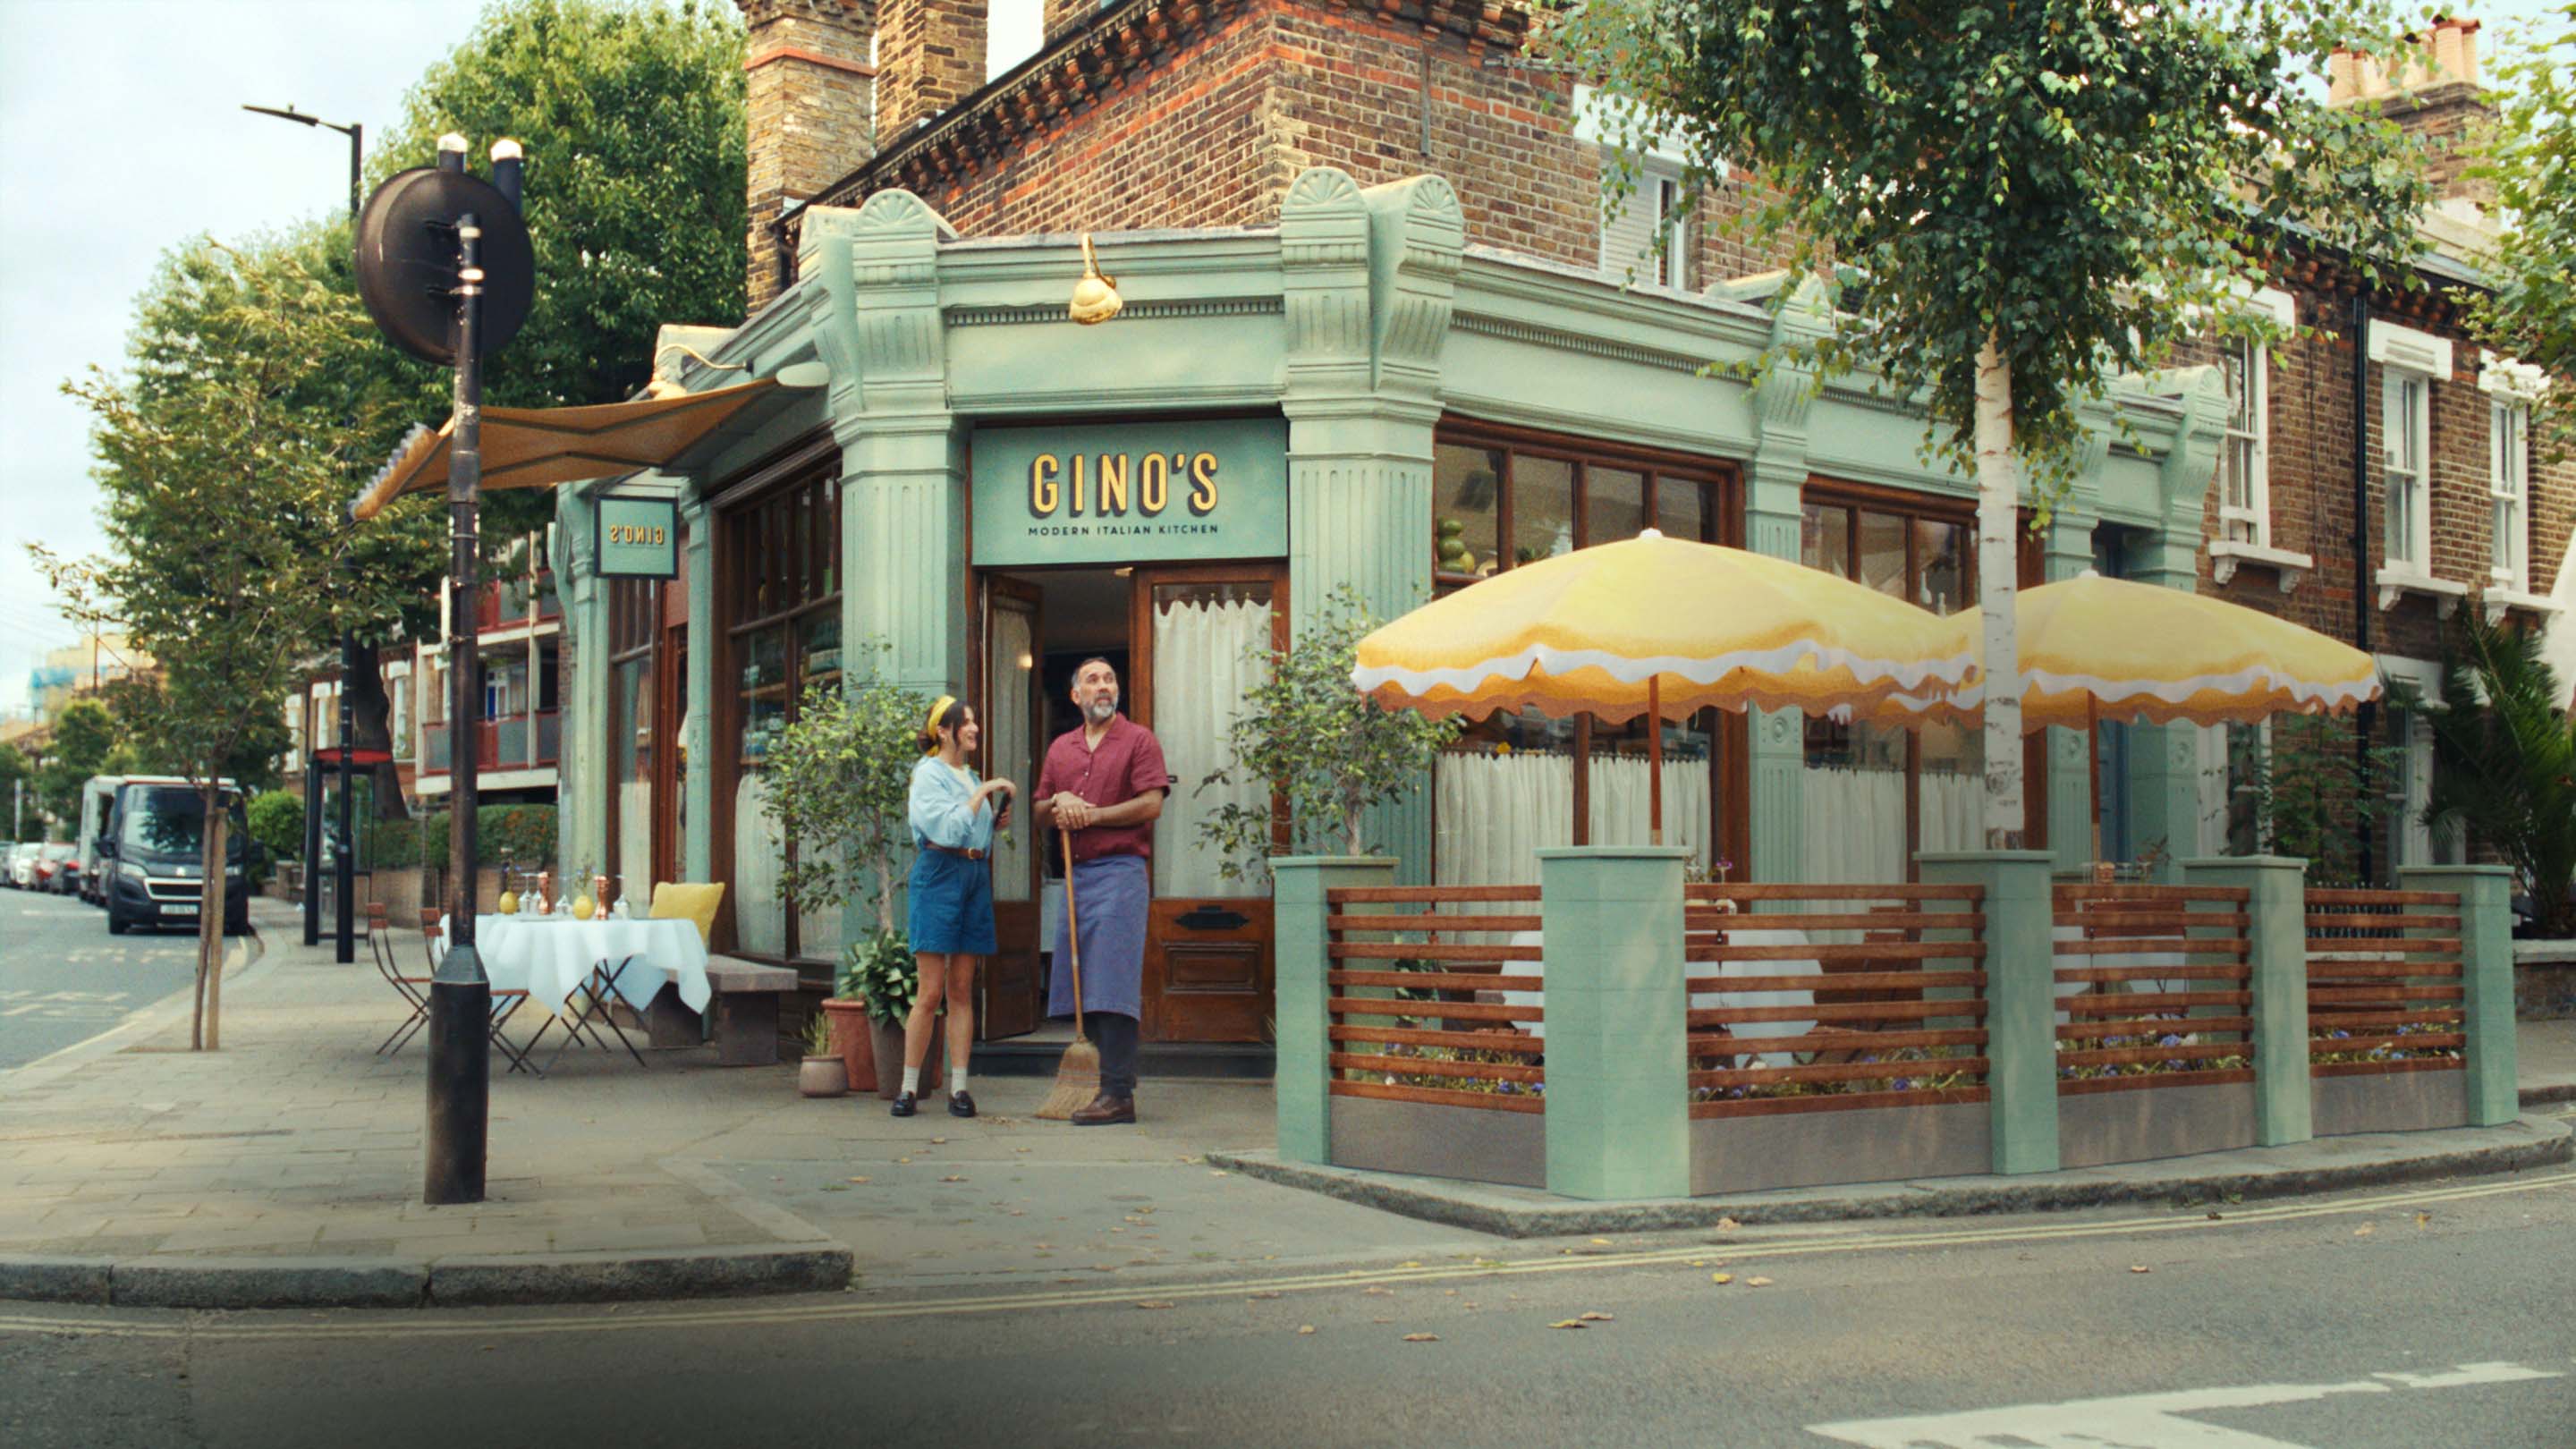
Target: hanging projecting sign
[1131, 492]
[639, 538]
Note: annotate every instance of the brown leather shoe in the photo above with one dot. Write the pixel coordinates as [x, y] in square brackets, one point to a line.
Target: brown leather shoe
[1103, 1110]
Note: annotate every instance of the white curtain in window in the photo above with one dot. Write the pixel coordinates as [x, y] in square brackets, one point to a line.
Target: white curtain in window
[1952, 803]
[1495, 811]
[1007, 726]
[1620, 795]
[1201, 674]
[635, 842]
[1855, 826]
[759, 848]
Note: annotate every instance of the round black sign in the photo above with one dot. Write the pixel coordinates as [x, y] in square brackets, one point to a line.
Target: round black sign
[407, 260]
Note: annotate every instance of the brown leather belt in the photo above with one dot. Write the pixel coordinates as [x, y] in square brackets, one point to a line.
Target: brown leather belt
[953, 850]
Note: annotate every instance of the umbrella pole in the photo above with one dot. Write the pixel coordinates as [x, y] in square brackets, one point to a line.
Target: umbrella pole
[1655, 756]
[2093, 769]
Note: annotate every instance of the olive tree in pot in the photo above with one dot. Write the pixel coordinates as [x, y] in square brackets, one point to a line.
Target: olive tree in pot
[1317, 746]
[839, 785]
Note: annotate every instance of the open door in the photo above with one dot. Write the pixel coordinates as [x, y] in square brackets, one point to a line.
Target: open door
[1009, 697]
[1198, 633]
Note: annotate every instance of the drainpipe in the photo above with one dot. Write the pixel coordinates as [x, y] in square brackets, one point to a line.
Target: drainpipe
[2367, 719]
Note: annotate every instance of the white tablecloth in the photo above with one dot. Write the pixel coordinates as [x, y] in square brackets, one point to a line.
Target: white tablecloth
[550, 956]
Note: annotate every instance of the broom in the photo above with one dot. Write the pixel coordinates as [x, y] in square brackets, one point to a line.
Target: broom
[1077, 1077]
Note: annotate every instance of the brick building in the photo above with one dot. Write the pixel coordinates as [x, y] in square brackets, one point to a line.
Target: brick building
[1369, 281]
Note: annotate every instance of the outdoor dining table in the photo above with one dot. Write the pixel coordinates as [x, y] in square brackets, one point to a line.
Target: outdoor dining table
[553, 958]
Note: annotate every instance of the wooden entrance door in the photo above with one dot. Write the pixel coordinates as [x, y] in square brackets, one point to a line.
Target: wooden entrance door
[1009, 694]
[1208, 939]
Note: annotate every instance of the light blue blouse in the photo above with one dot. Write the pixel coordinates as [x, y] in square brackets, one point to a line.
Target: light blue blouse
[942, 812]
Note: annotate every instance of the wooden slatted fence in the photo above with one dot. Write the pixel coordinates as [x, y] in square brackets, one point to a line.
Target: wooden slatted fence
[1414, 995]
[2384, 985]
[1902, 1022]
[2162, 982]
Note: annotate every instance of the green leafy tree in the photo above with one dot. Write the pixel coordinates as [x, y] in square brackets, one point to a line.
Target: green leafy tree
[839, 784]
[2023, 198]
[2504, 764]
[2531, 315]
[2309, 794]
[1320, 746]
[276, 821]
[84, 736]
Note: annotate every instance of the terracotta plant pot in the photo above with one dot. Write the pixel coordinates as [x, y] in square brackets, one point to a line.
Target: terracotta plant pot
[888, 1042]
[822, 1077]
[853, 1042]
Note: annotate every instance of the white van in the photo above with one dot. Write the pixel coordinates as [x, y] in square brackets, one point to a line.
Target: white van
[98, 799]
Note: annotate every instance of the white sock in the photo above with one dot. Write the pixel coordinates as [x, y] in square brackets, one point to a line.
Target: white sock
[912, 1081]
[956, 1080]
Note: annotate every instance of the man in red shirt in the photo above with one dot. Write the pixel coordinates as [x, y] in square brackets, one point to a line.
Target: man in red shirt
[1104, 783]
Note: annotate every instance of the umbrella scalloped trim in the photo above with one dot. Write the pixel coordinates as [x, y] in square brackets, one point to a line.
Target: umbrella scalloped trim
[2258, 688]
[1949, 672]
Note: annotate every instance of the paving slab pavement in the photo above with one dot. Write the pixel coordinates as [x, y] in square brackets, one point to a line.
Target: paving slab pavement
[286, 1169]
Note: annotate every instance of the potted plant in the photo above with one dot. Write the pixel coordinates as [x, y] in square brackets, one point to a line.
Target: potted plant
[821, 1074]
[847, 1010]
[880, 972]
[840, 784]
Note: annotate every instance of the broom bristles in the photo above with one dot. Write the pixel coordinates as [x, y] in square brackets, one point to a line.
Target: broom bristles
[1077, 1081]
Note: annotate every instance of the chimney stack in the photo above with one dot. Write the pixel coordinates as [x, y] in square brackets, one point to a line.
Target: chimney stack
[811, 93]
[930, 57]
[2435, 96]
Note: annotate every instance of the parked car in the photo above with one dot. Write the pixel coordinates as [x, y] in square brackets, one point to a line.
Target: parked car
[152, 851]
[22, 865]
[56, 864]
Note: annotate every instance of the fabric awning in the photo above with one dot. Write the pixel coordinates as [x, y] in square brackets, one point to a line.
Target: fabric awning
[540, 447]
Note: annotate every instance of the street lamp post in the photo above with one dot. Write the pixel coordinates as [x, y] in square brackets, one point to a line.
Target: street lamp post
[344, 877]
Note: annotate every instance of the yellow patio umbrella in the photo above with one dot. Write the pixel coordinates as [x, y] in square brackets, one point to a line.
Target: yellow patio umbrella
[1627, 628]
[2093, 648]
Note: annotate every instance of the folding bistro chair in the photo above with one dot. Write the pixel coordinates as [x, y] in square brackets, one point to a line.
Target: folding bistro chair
[505, 1001]
[414, 989]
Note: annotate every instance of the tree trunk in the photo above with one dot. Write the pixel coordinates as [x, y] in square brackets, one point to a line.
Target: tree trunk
[1997, 499]
[371, 727]
[210, 925]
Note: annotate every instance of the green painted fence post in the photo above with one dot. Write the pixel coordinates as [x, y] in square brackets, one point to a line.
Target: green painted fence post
[2276, 938]
[1618, 1096]
[2021, 999]
[2486, 980]
[1299, 938]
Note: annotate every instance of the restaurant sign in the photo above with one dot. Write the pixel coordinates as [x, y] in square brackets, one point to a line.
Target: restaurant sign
[1131, 492]
[639, 538]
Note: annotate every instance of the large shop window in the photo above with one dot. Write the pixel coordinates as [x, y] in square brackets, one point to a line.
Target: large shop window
[1517, 783]
[1218, 637]
[1878, 794]
[634, 607]
[783, 592]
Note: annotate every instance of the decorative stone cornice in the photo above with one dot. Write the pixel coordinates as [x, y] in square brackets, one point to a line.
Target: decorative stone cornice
[1419, 239]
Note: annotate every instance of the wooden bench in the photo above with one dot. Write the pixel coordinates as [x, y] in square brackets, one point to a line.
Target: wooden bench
[746, 999]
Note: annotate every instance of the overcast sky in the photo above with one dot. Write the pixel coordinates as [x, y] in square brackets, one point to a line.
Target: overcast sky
[122, 126]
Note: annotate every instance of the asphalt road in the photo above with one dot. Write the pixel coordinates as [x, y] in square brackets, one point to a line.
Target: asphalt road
[64, 979]
[2436, 1315]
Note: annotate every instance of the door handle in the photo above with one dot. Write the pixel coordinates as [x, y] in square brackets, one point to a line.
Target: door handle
[1212, 918]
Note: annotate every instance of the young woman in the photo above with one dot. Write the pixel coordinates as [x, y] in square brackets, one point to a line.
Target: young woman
[953, 819]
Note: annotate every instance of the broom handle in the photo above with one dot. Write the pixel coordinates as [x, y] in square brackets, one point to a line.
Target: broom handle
[1073, 936]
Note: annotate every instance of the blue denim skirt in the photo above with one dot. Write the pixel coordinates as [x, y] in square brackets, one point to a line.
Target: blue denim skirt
[951, 904]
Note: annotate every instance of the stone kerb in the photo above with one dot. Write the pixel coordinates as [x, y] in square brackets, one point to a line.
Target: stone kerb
[1618, 1104]
[1303, 1075]
[2486, 979]
[2276, 937]
[2021, 999]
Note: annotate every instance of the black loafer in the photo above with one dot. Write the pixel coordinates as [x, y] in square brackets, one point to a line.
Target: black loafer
[960, 1104]
[903, 1105]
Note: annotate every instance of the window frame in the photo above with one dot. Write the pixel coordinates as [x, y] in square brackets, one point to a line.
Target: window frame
[2410, 419]
[2255, 513]
[2509, 493]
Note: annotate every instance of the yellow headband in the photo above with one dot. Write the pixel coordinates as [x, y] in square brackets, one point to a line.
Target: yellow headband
[930, 726]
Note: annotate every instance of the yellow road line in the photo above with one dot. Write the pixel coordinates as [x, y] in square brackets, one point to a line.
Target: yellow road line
[1738, 1252]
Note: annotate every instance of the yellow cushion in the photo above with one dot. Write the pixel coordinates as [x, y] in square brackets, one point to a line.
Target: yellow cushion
[681, 901]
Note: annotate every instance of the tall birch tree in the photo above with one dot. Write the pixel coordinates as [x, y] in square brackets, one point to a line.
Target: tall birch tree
[2018, 200]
